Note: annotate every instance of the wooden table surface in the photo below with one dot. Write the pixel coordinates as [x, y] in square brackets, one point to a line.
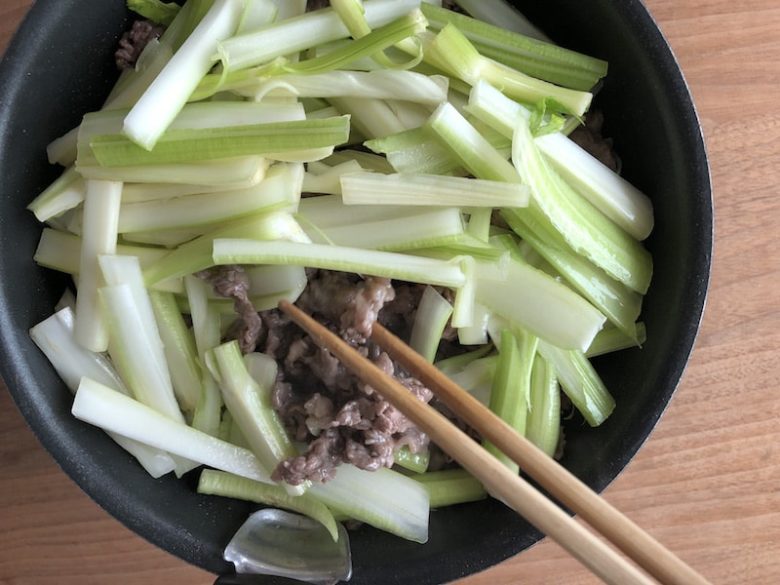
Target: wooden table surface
[707, 484]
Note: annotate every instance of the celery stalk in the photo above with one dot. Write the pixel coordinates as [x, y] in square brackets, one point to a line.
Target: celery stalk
[101, 214]
[451, 487]
[501, 14]
[179, 347]
[457, 363]
[475, 334]
[330, 181]
[155, 10]
[452, 52]
[384, 499]
[611, 339]
[370, 262]
[227, 172]
[109, 410]
[371, 117]
[257, 14]
[433, 313]
[218, 483]
[280, 189]
[580, 382]
[414, 462]
[65, 193]
[510, 394]
[168, 93]
[413, 189]
[544, 416]
[251, 409]
[190, 145]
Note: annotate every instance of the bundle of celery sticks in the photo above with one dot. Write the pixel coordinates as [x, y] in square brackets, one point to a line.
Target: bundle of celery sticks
[436, 145]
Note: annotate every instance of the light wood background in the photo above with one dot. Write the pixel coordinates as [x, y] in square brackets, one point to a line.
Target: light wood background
[707, 483]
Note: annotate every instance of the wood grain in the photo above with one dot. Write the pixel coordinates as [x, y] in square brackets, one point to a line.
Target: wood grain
[707, 484]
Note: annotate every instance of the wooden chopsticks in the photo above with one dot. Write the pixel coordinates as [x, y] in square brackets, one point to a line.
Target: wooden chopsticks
[499, 481]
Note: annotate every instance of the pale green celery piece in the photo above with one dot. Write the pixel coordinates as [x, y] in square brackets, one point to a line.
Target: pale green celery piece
[63, 150]
[257, 14]
[451, 487]
[155, 10]
[510, 394]
[325, 112]
[544, 417]
[196, 255]
[615, 197]
[611, 339]
[281, 189]
[180, 351]
[476, 334]
[440, 227]
[458, 87]
[101, 214]
[162, 101]
[457, 363]
[384, 499]
[371, 117]
[228, 172]
[433, 313]
[111, 411]
[537, 59]
[66, 192]
[217, 483]
[432, 190]
[584, 228]
[206, 331]
[411, 114]
[414, 462]
[184, 146]
[479, 219]
[534, 300]
[362, 64]
[269, 280]
[143, 192]
[468, 245]
[263, 369]
[226, 428]
[342, 258]
[416, 151]
[311, 105]
[617, 302]
[470, 147]
[136, 346]
[61, 251]
[452, 52]
[383, 85]
[580, 382]
[251, 409]
[289, 8]
[465, 296]
[519, 250]
[54, 336]
[329, 182]
[225, 308]
[296, 34]
[501, 14]
[477, 378]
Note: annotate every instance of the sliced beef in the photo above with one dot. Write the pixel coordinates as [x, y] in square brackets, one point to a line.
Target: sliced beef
[134, 41]
[232, 282]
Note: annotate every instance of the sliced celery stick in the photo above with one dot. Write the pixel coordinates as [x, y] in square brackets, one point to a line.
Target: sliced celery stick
[156, 109]
[218, 483]
[617, 302]
[411, 114]
[544, 415]
[330, 181]
[415, 462]
[258, 13]
[502, 14]
[185, 146]
[166, 239]
[452, 52]
[109, 410]
[370, 262]
[547, 308]
[280, 189]
[329, 211]
[612, 339]
[422, 230]
[583, 227]
[302, 32]
[101, 213]
[383, 499]
[510, 393]
[457, 363]
[409, 189]
[251, 409]
[179, 347]
[205, 329]
[451, 487]
[433, 313]
[155, 10]
[227, 172]
[65, 193]
[372, 118]
[470, 147]
[289, 8]
[580, 382]
[143, 192]
[476, 334]
[197, 254]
